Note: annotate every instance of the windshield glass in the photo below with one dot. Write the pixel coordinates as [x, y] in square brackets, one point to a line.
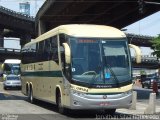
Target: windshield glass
[100, 61]
[13, 78]
[11, 68]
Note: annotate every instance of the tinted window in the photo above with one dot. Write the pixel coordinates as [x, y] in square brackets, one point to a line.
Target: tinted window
[24, 53]
[28, 54]
[54, 49]
[42, 51]
[47, 49]
[13, 78]
[31, 53]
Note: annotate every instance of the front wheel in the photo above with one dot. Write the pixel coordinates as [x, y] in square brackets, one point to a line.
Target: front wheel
[61, 109]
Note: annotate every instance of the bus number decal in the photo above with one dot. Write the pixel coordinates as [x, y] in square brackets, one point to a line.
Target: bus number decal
[40, 66]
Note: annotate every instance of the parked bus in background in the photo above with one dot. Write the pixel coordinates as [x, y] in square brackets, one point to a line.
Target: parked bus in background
[79, 67]
[11, 66]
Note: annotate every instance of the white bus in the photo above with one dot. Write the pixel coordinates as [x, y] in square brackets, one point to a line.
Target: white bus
[11, 66]
[79, 67]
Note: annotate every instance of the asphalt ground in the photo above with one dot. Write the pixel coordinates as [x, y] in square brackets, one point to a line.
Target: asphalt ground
[14, 106]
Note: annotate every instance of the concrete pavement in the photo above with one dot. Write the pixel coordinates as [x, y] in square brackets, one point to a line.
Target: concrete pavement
[140, 108]
[142, 102]
[141, 105]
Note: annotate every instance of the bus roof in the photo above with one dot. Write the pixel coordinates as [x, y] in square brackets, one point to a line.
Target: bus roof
[16, 61]
[82, 30]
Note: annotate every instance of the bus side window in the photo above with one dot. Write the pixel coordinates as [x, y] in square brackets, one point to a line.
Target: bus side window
[24, 55]
[47, 49]
[36, 56]
[40, 51]
[32, 53]
[54, 50]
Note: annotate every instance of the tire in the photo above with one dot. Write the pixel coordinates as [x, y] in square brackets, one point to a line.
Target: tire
[61, 109]
[30, 96]
[110, 111]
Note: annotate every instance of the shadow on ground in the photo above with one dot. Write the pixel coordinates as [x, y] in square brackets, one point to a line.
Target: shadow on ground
[81, 114]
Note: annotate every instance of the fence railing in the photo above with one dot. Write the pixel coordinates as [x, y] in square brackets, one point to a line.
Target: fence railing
[9, 50]
[147, 59]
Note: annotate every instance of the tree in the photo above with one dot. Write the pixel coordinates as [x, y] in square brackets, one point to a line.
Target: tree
[142, 72]
[156, 46]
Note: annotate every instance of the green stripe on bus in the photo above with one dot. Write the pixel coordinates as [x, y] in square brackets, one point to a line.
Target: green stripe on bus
[43, 74]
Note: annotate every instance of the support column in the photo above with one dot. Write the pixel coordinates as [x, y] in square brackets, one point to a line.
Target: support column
[41, 27]
[151, 108]
[1, 38]
[134, 100]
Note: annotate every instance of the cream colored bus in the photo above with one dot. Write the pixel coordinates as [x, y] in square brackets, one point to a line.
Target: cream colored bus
[79, 67]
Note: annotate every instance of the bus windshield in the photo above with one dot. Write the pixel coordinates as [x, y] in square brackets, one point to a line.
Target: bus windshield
[12, 68]
[100, 62]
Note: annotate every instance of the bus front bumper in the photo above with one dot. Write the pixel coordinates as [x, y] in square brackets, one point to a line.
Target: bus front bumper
[91, 101]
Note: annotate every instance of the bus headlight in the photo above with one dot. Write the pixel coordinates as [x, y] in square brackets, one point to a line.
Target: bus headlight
[81, 94]
[128, 92]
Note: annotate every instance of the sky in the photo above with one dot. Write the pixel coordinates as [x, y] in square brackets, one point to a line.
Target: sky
[148, 26]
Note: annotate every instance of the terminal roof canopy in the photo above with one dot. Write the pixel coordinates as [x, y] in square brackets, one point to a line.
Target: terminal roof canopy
[116, 13]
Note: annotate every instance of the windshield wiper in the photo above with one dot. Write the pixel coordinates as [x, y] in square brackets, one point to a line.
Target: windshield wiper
[94, 76]
[115, 77]
[93, 79]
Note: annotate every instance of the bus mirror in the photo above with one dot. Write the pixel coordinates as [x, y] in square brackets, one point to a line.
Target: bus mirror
[137, 52]
[67, 53]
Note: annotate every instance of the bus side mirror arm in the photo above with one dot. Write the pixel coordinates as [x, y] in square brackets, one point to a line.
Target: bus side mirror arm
[137, 51]
[67, 53]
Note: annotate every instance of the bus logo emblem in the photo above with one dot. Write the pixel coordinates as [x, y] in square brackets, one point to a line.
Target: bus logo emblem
[105, 97]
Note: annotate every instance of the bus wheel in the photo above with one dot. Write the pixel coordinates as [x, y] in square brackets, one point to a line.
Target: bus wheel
[30, 96]
[110, 111]
[59, 104]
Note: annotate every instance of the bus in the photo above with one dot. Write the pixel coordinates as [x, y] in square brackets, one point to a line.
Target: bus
[79, 67]
[11, 66]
